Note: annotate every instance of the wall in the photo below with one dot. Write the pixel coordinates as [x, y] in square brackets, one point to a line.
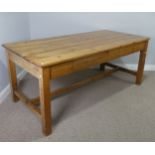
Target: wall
[13, 27]
[53, 24]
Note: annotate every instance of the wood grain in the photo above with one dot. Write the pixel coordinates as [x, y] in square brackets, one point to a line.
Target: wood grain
[141, 64]
[51, 58]
[12, 77]
[89, 61]
[44, 87]
[51, 51]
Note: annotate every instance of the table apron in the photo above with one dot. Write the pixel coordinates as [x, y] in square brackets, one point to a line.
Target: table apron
[27, 66]
[101, 57]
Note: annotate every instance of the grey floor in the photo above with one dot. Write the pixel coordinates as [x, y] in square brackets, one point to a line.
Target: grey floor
[112, 109]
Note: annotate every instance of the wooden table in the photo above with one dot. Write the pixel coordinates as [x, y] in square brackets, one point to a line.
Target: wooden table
[51, 58]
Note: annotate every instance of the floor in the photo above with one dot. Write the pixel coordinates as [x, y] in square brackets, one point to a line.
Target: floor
[112, 109]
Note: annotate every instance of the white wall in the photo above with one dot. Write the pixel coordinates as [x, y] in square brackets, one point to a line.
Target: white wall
[13, 27]
[53, 24]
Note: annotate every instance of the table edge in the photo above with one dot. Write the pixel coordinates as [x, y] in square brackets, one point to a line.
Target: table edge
[144, 39]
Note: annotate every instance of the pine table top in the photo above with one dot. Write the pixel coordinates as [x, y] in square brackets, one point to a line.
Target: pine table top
[56, 50]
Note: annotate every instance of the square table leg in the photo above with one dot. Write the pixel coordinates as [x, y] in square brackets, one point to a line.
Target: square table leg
[13, 78]
[102, 67]
[141, 63]
[44, 86]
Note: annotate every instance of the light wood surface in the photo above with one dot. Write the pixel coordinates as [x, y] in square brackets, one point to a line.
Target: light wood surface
[141, 64]
[12, 77]
[44, 85]
[51, 51]
[51, 58]
[89, 61]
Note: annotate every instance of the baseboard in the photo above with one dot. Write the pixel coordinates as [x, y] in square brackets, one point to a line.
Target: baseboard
[5, 92]
[134, 67]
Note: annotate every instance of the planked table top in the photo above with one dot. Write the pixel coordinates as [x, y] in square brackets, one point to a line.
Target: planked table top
[52, 51]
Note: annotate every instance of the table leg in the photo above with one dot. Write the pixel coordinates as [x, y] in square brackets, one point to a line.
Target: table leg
[102, 67]
[141, 64]
[44, 86]
[13, 78]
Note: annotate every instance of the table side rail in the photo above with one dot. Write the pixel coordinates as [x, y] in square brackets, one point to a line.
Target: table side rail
[84, 63]
[27, 66]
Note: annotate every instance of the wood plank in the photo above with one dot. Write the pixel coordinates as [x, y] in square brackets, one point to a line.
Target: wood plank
[121, 68]
[44, 89]
[26, 65]
[62, 43]
[12, 77]
[141, 64]
[53, 39]
[61, 70]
